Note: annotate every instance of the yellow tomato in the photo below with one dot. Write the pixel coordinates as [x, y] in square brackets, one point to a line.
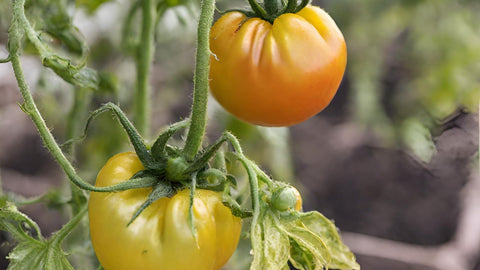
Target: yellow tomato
[161, 237]
[280, 74]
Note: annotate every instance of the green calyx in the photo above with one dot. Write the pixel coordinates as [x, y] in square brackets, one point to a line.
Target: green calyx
[269, 10]
[176, 169]
[166, 167]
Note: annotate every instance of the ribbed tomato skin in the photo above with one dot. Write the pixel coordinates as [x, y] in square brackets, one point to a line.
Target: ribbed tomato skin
[280, 74]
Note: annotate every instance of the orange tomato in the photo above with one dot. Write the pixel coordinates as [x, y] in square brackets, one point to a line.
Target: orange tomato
[280, 74]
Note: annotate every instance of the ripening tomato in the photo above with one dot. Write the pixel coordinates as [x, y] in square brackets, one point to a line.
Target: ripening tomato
[280, 74]
[287, 198]
[161, 237]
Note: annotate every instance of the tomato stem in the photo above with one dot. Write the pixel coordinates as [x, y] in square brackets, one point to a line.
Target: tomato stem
[60, 235]
[200, 81]
[290, 7]
[31, 110]
[5, 60]
[253, 180]
[135, 138]
[252, 176]
[145, 52]
[258, 9]
[128, 43]
[273, 7]
[20, 26]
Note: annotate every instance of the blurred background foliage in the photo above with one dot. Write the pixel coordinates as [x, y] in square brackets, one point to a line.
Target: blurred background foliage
[413, 65]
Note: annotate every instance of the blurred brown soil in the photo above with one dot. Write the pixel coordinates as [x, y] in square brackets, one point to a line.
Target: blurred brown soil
[385, 192]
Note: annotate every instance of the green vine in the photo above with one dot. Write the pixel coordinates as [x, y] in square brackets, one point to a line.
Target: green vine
[145, 51]
[200, 93]
[31, 110]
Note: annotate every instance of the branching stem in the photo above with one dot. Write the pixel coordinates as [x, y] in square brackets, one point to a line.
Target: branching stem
[31, 110]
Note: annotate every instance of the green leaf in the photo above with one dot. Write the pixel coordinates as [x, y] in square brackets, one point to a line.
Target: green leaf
[276, 245]
[418, 139]
[205, 155]
[17, 223]
[271, 246]
[38, 255]
[91, 5]
[32, 251]
[57, 22]
[135, 138]
[300, 257]
[340, 255]
[158, 148]
[160, 190]
[80, 76]
[309, 242]
[108, 82]
[3, 200]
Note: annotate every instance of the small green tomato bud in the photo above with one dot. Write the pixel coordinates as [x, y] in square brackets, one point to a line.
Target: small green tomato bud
[176, 169]
[286, 198]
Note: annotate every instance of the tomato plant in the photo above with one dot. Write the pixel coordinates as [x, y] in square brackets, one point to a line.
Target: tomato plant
[179, 206]
[276, 74]
[161, 237]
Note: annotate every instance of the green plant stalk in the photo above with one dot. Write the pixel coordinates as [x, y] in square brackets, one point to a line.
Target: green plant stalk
[19, 23]
[60, 235]
[145, 52]
[252, 179]
[32, 111]
[67, 228]
[5, 60]
[127, 30]
[19, 16]
[303, 4]
[200, 81]
[259, 11]
[30, 108]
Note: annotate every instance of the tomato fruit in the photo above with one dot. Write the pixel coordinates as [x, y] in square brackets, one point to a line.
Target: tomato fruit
[161, 237]
[287, 198]
[276, 74]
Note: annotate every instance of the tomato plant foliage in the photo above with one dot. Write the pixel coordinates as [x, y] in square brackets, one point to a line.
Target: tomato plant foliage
[173, 198]
[33, 251]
